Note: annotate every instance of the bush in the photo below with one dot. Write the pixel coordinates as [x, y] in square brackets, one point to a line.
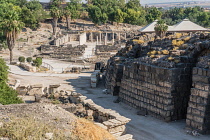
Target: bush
[7, 94]
[29, 59]
[21, 59]
[37, 62]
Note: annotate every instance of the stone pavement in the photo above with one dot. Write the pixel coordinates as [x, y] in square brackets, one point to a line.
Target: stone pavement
[18, 71]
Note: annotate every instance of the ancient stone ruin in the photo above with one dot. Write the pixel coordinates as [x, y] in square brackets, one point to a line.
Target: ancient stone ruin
[166, 78]
[79, 105]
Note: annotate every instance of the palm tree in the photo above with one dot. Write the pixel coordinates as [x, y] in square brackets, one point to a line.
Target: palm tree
[67, 14]
[55, 12]
[10, 24]
[161, 28]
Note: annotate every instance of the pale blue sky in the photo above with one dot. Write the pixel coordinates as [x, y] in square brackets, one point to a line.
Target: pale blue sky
[149, 1]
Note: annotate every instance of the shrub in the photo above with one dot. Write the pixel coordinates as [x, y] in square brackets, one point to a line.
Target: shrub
[21, 59]
[29, 59]
[37, 62]
[7, 94]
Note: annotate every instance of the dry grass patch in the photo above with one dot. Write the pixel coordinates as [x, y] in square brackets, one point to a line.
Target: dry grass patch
[86, 130]
[28, 129]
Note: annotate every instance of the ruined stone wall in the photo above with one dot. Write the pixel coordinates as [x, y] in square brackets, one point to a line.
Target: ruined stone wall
[63, 52]
[157, 79]
[113, 76]
[106, 48]
[198, 112]
[160, 92]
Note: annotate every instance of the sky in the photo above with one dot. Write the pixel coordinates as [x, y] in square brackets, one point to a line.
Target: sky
[149, 1]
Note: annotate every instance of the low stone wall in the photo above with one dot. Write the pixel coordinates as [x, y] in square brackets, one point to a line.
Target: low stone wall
[106, 48]
[106, 118]
[198, 112]
[28, 67]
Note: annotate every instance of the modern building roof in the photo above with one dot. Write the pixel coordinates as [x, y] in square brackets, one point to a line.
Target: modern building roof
[187, 25]
[183, 26]
[149, 28]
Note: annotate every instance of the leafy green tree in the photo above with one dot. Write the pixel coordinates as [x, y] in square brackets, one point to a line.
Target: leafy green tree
[33, 14]
[21, 3]
[7, 95]
[133, 4]
[132, 16]
[10, 24]
[161, 28]
[72, 11]
[55, 11]
[96, 15]
[119, 16]
[153, 14]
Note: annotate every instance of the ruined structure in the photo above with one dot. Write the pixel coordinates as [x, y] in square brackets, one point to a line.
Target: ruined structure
[166, 78]
[63, 52]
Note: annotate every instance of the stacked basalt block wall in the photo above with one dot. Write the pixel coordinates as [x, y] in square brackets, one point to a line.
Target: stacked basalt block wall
[179, 91]
[160, 92]
[198, 112]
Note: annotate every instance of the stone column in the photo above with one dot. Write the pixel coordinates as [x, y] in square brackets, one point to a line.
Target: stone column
[125, 37]
[105, 39]
[113, 38]
[100, 37]
[119, 36]
[91, 36]
[96, 40]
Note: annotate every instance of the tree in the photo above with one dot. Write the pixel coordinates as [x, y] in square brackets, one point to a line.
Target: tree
[133, 4]
[55, 11]
[72, 11]
[119, 16]
[161, 28]
[7, 95]
[132, 16]
[153, 14]
[10, 24]
[96, 15]
[33, 14]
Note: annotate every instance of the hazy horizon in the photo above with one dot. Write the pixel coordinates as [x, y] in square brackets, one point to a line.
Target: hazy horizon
[148, 1]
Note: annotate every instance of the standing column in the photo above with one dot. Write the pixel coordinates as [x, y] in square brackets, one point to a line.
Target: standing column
[125, 37]
[119, 36]
[91, 36]
[113, 38]
[105, 39]
[96, 40]
[100, 37]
